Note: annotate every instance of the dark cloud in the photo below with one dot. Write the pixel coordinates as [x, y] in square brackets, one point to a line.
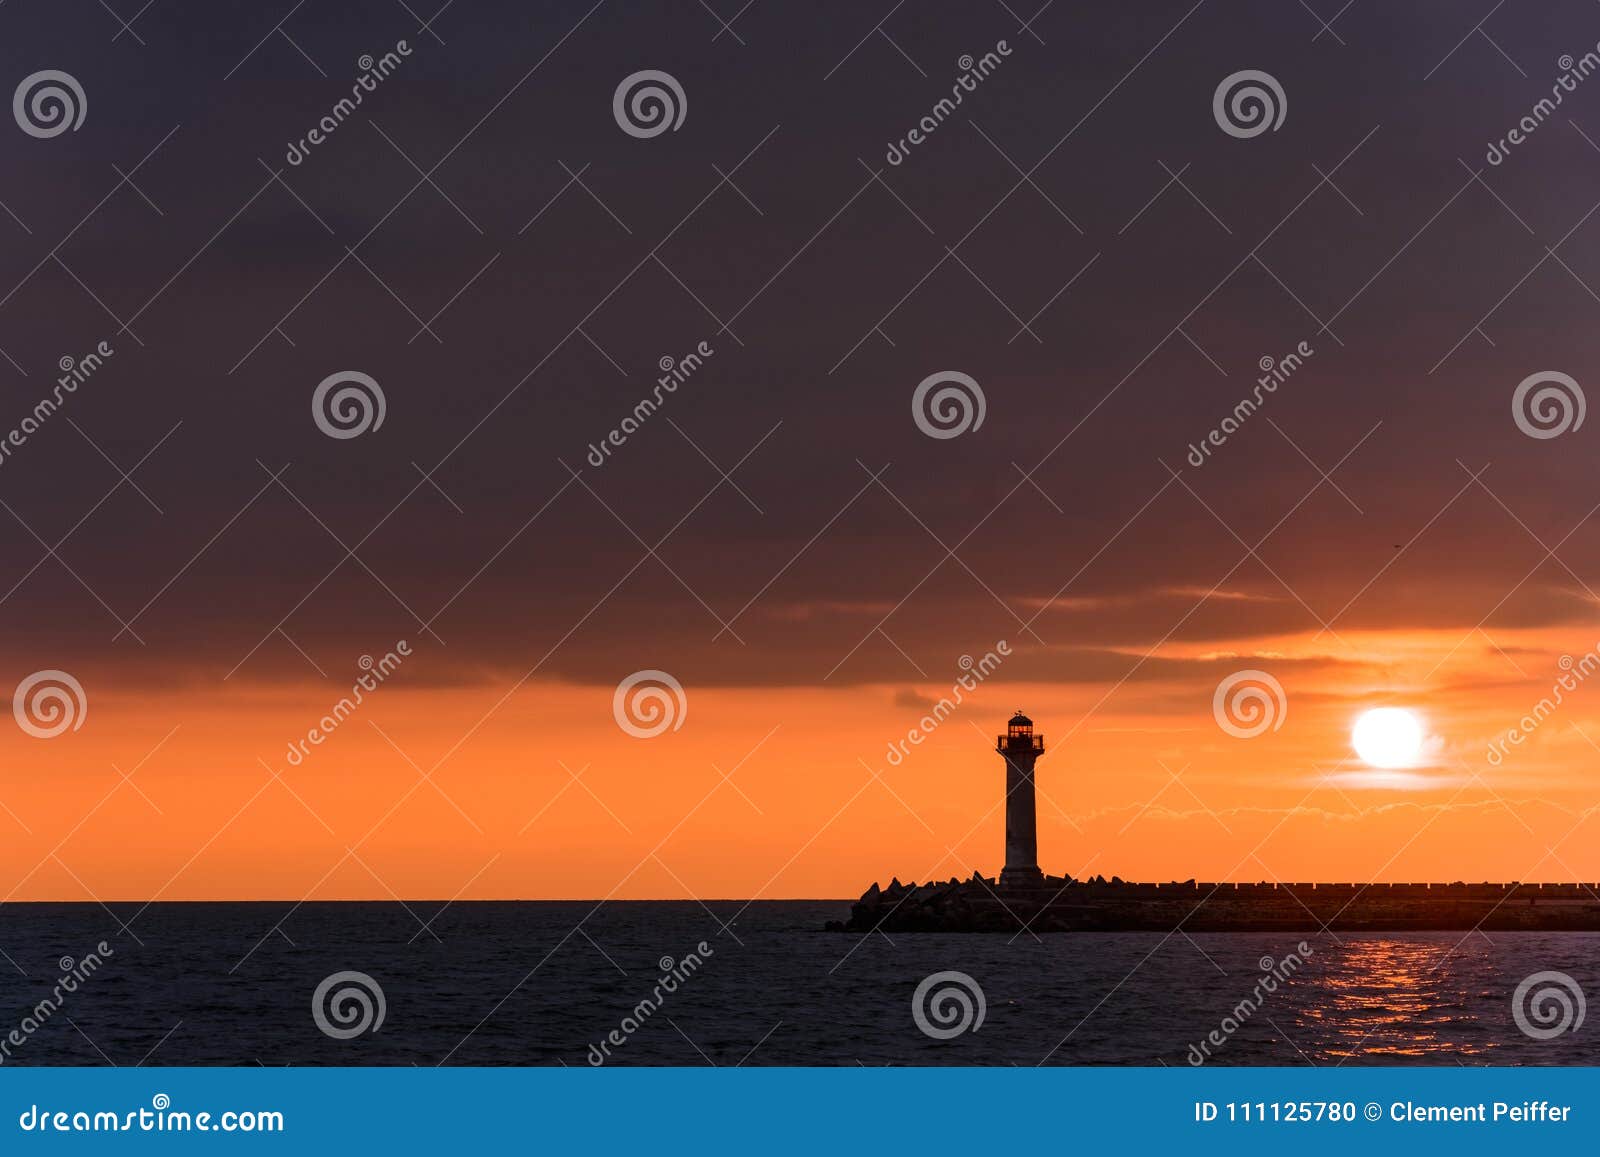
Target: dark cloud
[839, 296]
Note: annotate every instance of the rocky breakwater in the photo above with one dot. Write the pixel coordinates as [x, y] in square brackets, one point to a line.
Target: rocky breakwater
[1063, 904]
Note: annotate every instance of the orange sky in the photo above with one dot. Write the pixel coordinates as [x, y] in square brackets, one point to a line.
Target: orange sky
[802, 815]
[783, 534]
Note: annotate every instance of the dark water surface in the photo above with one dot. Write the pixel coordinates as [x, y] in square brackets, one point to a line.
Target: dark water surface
[539, 983]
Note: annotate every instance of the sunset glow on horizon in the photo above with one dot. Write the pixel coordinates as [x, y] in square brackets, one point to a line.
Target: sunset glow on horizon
[789, 792]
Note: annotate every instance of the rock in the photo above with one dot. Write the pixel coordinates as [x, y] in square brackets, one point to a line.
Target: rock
[1121, 906]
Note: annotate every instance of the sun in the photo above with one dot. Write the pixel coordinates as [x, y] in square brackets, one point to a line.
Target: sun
[1388, 737]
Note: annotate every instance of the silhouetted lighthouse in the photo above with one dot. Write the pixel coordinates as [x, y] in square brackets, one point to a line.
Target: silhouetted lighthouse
[1020, 747]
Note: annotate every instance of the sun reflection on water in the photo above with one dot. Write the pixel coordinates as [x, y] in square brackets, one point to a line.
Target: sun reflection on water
[1401, 999]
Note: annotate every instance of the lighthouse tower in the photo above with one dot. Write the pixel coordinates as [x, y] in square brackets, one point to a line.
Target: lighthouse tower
[1020, 747]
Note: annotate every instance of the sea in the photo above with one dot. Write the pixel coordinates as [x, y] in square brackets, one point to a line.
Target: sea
[757, 983]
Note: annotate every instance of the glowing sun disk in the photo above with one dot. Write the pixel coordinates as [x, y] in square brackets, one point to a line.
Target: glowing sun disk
[1388, 737]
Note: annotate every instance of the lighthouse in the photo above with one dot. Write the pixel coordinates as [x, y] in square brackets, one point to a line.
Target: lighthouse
[1019, 746]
